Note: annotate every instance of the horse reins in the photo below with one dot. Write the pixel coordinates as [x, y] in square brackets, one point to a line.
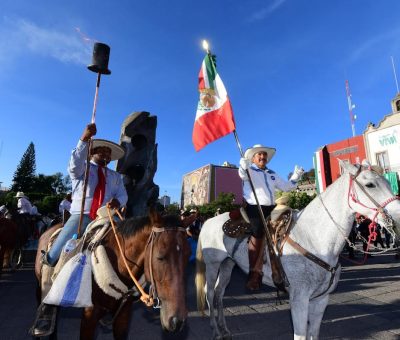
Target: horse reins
[144, 297]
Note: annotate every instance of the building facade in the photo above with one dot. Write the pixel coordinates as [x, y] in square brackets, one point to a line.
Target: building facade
[382, 141]
[326, 159]
[203, 185]
[380, 145]
[165, 200]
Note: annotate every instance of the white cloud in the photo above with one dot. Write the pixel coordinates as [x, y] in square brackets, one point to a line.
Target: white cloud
[264, 12]
[20, 36]
[373, 43]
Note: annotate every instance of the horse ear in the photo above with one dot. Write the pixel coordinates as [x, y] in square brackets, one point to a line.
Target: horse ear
[366, 164]
[348, 168]
[154, 216]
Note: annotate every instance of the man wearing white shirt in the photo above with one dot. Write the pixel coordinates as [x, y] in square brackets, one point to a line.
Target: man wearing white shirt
[65, 204]
[24, 206]
[113, 191]
[265, 183]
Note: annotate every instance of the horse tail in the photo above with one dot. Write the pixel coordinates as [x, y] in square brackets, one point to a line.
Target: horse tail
[200, 278]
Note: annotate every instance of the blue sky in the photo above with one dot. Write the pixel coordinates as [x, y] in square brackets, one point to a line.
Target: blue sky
[284, 64]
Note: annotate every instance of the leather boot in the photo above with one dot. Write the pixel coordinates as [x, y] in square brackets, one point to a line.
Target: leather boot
[256, 255]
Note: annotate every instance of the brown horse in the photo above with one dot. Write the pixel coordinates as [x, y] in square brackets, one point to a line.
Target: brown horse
[15, 231]
[156, 246]
[9, 240]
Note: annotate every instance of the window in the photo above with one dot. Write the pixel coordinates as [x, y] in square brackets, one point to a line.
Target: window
[382, 159]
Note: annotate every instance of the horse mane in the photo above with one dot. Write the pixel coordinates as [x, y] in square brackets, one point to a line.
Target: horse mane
[171, 221]
[133, 225]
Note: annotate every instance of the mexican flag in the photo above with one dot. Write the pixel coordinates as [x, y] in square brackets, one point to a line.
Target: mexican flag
[214, 117]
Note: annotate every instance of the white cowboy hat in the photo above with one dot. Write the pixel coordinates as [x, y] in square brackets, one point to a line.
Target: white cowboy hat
[117, 151]
[259, 148]
[20, 194]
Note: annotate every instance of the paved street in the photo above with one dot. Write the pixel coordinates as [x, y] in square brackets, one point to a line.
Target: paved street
[366, 305]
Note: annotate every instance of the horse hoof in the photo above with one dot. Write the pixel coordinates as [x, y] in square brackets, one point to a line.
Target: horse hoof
[227, 336]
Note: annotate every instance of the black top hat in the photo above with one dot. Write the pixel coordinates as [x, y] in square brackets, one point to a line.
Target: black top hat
[101, 54]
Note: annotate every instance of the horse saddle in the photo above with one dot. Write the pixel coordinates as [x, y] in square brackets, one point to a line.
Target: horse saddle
[238, 224]
[279, 226]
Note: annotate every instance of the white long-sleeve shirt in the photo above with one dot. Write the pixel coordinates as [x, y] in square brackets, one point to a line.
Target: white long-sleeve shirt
[265, 183]
[64, 205]
[114, 185]
[24, 206]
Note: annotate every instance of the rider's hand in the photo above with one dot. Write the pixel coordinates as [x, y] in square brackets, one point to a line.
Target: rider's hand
[113, 204]
[244, 163]
[89, 132]
[297, 173]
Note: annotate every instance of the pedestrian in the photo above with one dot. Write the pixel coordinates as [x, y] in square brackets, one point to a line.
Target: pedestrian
[378, 238]
[265, 182]
[352, 239]
[34, 210]
[24, 205]
[104, 186]
[3, 211]
[363, 228]
[193, 230]
[388, 237]
[65, 204]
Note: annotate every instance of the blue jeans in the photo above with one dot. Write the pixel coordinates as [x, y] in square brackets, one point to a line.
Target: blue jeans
[70, 228]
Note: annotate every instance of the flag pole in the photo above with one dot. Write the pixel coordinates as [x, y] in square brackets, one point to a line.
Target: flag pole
[278, 274]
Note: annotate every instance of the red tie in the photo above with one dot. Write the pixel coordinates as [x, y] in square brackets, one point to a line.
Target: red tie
[98, 196]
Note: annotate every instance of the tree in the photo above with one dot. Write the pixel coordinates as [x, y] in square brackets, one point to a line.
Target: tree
[173, 209]
[51, 185]
[299, 200]
[24, 175]
[224, 201]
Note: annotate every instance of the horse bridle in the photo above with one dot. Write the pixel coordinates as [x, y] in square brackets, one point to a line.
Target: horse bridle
[153, 287]
[379, 208]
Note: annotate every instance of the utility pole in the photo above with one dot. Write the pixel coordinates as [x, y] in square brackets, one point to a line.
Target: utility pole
[351, 107]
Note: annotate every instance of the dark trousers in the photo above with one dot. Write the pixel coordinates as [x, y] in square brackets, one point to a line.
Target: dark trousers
[257, 227]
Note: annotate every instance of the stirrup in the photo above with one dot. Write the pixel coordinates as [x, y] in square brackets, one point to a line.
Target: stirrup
[45, 321]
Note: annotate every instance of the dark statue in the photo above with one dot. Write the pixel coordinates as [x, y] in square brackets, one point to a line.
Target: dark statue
[138, 137]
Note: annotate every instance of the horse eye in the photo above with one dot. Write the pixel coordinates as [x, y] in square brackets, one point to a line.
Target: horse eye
[160, 258]
[370, 185]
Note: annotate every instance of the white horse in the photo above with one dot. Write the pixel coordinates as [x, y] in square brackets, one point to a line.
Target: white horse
[321, 229]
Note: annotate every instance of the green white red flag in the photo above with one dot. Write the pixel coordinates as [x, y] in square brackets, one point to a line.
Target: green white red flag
[214, 117]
